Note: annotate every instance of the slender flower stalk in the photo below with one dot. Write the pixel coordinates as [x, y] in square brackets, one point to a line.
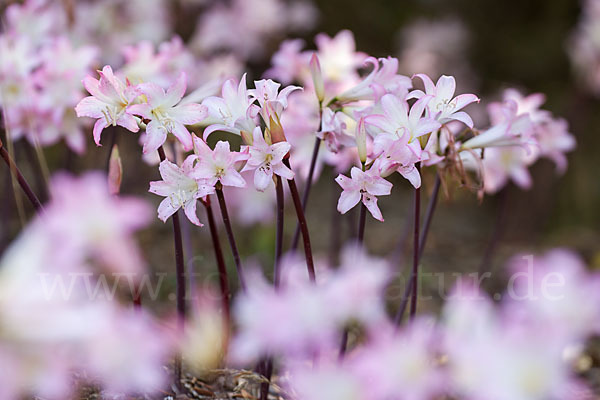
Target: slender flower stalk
[279, 231]
[422, 241]
[303, 226]
[496, 236]
[415, 269]
[309, 179]
[266, 367]
[33, 199]
[231, 237]
[223, 278]
[311, 171]
[179, 274]
[335, 240]
[362, 219]
[36, 160]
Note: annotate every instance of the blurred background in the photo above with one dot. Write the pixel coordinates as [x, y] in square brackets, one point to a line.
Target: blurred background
[552, 47]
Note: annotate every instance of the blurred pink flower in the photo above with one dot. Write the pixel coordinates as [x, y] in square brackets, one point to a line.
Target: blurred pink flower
[401, 365]
[106, 234]
[501, 164]
[555, 292]
[489, 353]
[380, 81]
[59, 310]
[338, 57]
[288, 64]
[509, 128]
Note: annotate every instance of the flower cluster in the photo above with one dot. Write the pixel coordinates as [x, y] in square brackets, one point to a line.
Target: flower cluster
[474, 349]
[56, 305]
[521, 133]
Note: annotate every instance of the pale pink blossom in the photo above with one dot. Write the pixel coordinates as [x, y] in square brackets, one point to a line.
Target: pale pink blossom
[490, 353]
[556, 292]
[364, 186]
[501, 164]
[401, 365]
[334, 128]
[338, 57]
[444, 107]
[379, 82]
[108, 102]
[166, 115]
[266, 160]
[84, 217]
[272, 101]
[288, 64]
[358, 287]
[233, 112]
[508, 128]
[179, 189]
[529, 104]
[219, 165]
[258, 313]
[554, 140]
[394, 155]
[399, 121]
[60, 312]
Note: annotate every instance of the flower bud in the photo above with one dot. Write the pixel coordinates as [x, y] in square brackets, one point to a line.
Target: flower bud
[115, 171]
[317, 77]
[247, 137]
[275, 128]
[361, 140]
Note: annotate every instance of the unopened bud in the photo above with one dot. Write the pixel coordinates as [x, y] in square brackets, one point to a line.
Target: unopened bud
[317, 77]
[115, 171]
[361, 140]
[247, 137]
[276, 130]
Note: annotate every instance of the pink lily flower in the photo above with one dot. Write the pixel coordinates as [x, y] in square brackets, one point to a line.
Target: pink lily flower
[233, 112]
[509, 128]
[108, 102]
[180, 190]
[399, 121]
[443, 106]
[333, 130]
[363, 186]
[218, 165]
[271, 100]
[166, 116]
[503, 163]
[267, 160]
[394, 155]
[379, 82]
